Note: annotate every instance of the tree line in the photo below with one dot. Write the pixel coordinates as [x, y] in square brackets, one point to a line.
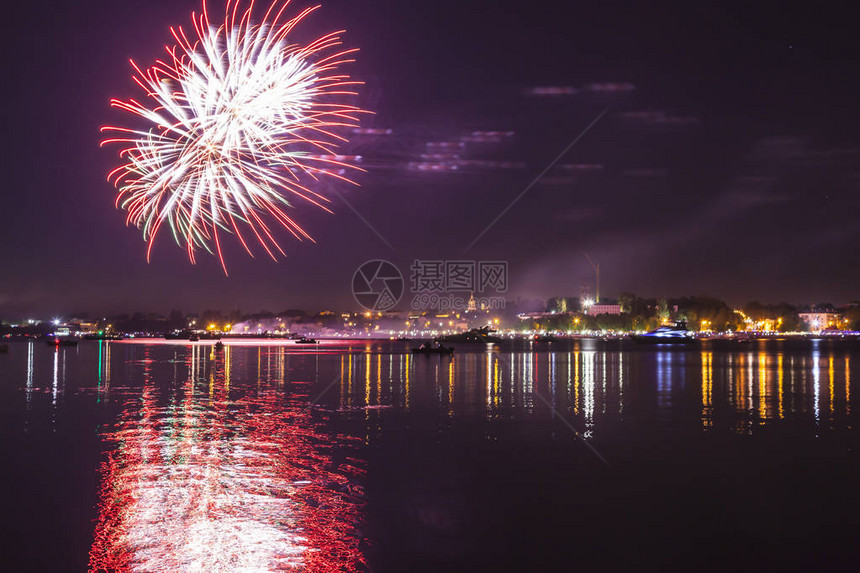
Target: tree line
[699, 312]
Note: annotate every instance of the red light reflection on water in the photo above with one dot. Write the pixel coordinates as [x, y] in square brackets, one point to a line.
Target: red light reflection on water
[208, 484]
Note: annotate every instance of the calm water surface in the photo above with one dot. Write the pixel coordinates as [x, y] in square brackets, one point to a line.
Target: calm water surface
[153, 456]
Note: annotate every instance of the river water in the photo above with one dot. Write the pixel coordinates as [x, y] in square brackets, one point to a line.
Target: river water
[358, 456]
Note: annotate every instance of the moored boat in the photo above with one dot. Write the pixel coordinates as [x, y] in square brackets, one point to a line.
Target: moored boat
[62, 341]
[431, 349]
[677, 334]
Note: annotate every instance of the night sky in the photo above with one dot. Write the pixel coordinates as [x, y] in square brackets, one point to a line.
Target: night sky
[728, 162]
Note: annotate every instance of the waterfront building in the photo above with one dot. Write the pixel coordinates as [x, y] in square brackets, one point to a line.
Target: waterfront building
[596, 308]
[818, 321]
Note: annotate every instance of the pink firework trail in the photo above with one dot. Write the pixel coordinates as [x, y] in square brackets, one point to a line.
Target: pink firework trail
[238, 122]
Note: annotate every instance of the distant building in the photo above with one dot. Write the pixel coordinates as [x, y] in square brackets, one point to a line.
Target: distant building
[595, 309]
[83, 327]
[817, 321]
[472, 305]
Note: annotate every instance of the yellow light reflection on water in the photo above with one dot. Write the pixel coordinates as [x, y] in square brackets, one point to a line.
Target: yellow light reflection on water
[830, 383]
[763, 413]
[451, 388]
[228, 353]
[408, 368]
[749, 388]
[378, 379]
[707, 389]
[489, 391]
[576, 380]
[497, 390]
[780, 373]
[847, 385]
[620, 382]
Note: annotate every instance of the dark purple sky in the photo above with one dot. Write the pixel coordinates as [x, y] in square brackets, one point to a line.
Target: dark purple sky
[728, 162]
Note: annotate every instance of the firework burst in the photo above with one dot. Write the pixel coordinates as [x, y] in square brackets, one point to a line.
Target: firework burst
[238, 122]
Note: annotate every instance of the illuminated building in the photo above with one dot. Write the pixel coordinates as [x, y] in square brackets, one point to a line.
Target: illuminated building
[595, 309]
[818, 321]
[472, 305]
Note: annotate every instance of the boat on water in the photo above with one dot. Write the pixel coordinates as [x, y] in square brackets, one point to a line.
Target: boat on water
[677, 334]
[304, 340]
[483, 334]
[178, 335]
[193, 338]
[102, 337]
[427, 348]
[62, 342]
